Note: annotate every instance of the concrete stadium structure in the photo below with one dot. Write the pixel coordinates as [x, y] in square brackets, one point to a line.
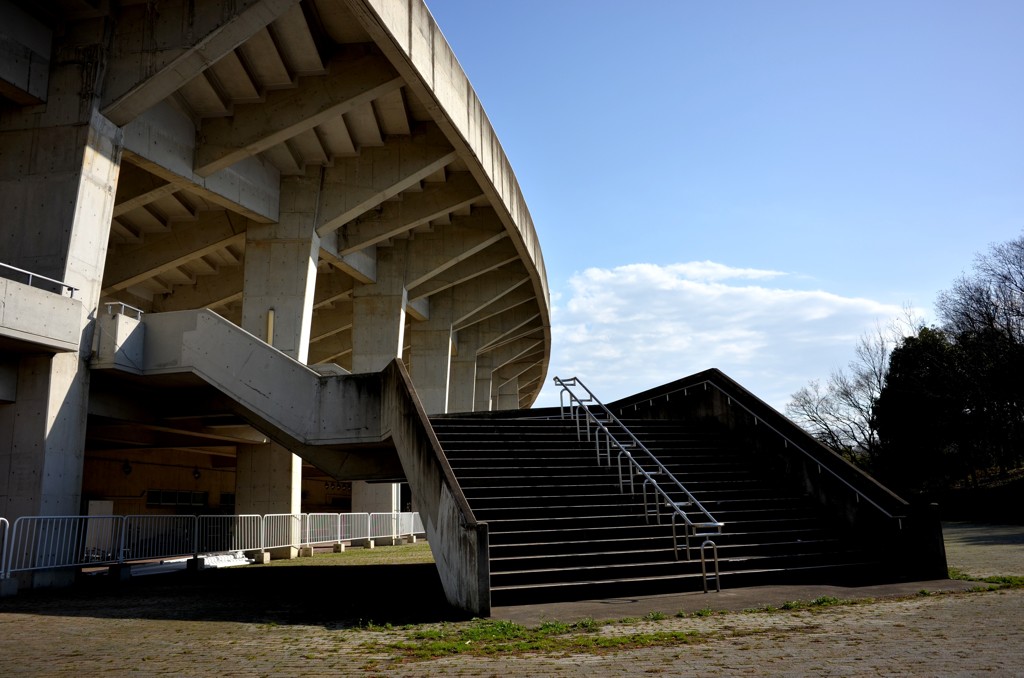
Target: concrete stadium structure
[321, 177]
[250, 247]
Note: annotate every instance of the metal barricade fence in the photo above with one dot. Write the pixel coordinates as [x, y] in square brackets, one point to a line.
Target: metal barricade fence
[321, 528]
[148, 537]
[354, 526]
[404, 524]
[282, 529]
[225, 534]
[417, 524]
[51, 542]
[383, 525]
[5, 528]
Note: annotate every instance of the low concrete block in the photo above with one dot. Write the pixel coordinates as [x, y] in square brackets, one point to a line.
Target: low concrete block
[258, 557]
[120, 572]
[8, 587]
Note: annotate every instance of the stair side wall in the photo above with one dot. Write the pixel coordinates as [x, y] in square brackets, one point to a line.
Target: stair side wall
[912, 535]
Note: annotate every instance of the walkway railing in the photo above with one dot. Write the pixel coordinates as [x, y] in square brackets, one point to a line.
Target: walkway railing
[33, 278]
[54, 542]
[596, 425]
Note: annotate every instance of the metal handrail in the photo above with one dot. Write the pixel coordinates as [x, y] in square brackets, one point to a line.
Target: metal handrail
[577, 405]
[32, 276]
[787, 441]
[111, 305]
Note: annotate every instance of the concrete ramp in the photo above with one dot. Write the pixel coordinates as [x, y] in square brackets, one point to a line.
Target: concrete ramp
[354, 427]
[333, 422]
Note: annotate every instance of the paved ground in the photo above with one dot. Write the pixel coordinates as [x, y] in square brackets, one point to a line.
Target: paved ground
[291, 621]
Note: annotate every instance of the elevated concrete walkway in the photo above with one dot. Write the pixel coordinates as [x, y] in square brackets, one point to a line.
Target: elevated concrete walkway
[354, 427]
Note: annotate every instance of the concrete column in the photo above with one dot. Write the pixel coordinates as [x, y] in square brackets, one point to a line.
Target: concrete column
[59, 166]
[268, 479]
[462, 380]
[430, 353]
[280, 270]
[378, 312]
[378, 337]
[508, 392]
[277, 306]
[482, 397]
[375, 497]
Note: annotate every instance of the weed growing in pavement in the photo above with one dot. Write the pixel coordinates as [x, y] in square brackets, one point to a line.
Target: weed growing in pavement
[484, 637]
[998, 581]
[702, 612]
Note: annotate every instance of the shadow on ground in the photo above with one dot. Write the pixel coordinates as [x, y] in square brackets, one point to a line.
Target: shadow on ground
[983, 534]
[333, 597]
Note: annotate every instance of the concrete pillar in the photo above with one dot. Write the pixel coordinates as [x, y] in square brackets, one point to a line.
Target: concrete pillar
[376, 497]
[462, 380]
[378, 312]
[59, 166]
[508, 393]
[378, 337]
[482, 397]
[268, 479]
[430, 353]
[280, 270]
[277, 306]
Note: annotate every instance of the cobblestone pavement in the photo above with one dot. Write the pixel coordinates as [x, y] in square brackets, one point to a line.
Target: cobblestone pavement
[259, 627]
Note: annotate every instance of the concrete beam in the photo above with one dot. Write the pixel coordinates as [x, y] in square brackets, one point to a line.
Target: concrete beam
[393, 219]
[161, 49]
[209, 291]
[330, 321]
[332, 287]
[527, 330]
[438, 252]
[162, 142]
[354, 80]
[517, 359]
[355, 185]
[130, 264]
[331, 348]
[139, 188]
[511, 296]
[498, 254]
[361, 265]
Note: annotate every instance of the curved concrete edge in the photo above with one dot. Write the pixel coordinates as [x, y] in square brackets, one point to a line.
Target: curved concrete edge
[412, 40]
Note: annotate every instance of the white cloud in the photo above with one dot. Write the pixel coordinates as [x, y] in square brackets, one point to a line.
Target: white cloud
[633, 327]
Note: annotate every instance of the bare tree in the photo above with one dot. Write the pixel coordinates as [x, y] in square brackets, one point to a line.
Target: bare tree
[991, 297]
[838, 412]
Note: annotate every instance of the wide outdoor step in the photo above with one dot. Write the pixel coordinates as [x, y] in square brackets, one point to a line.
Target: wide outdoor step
[560, 526]
[858, 570]
[553, 562]
[663, 568]
[626, 540]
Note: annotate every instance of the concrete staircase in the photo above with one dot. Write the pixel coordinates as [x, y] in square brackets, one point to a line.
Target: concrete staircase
[560, 529]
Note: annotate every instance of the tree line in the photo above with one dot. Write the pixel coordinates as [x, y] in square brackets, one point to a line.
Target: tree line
[926, 408]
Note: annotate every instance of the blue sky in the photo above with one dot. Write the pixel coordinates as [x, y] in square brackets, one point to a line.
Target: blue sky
[748, 185]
